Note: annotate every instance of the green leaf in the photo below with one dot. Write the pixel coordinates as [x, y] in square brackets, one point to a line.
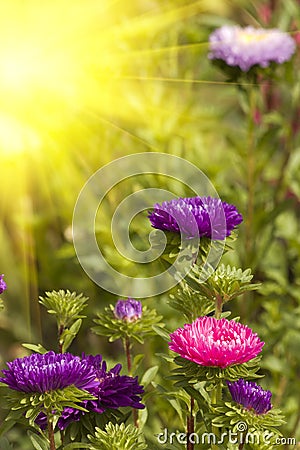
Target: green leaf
[6, 425]
[149, 375]
[38, 442]
[77, 445]
[5, 445]
[162, 332]
[35, 348]
[69, 334]
[136, 362]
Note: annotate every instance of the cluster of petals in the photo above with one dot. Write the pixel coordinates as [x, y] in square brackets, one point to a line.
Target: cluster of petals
[112, 391]
[216, 342]
[196, 217]
[42, 373]
[49, 372]
[128, 310]
[250, 395]
[2, 284]
[247, 47]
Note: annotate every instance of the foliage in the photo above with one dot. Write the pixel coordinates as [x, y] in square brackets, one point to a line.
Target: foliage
[183, 105]
[117, 437]
[109, 325]
[66, 306]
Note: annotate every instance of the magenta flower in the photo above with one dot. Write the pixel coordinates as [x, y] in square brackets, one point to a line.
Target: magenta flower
[212, 342]
[128, 310]
[2, 284]
[247, 47]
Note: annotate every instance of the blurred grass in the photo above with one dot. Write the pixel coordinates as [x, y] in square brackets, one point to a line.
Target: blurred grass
[144, 83]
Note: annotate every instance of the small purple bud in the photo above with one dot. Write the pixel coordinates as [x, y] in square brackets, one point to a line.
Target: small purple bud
[128, 310]
[2, 284]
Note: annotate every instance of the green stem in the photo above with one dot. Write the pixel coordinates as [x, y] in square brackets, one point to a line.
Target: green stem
[127, 348]
[216, 398]
[190, 425]
[218, 306]
[51, 435]
[250, 175]
[60, 332]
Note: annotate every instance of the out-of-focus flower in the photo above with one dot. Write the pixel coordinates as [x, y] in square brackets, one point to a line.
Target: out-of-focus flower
[112, 391]
[2, 284]
[216, 342]
[247, 47]
[129, 310]
[49, 372]
[250, 395]
[196, 216]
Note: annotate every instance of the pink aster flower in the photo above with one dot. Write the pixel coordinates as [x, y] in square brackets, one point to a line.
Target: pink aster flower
[216, 342]
[247, 47]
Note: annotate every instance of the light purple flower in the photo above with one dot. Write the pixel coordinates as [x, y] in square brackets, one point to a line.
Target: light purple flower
[2, 284]
[196, 216]
[250, 395]
[246, 47]
[128, 310]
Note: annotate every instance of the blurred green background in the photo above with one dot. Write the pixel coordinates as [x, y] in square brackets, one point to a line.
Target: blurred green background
[83, 83]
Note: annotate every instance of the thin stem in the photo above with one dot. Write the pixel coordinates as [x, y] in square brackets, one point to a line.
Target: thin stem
[218, 306]
[51, 435]
[127, 348]
[61, 329]
[190, 425]
[216, 397]
[250, 173]
[241, 446]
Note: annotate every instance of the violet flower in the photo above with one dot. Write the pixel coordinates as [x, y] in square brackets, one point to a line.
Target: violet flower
[196, 216]
[250, 395]
[128, 310]
[2, 284]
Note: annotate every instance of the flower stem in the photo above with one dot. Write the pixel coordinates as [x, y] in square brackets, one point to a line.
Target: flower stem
[190, 425]
[250, 174]
[218, 306]
[216, 397]
[60, 332]
[127, 348]
[51, 435]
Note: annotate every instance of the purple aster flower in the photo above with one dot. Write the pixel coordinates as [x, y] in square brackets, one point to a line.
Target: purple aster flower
[112, 392]
[246, 47]
[49, 372]
[196, 216]
[129, 310]
[250, 395]
[2, 284]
